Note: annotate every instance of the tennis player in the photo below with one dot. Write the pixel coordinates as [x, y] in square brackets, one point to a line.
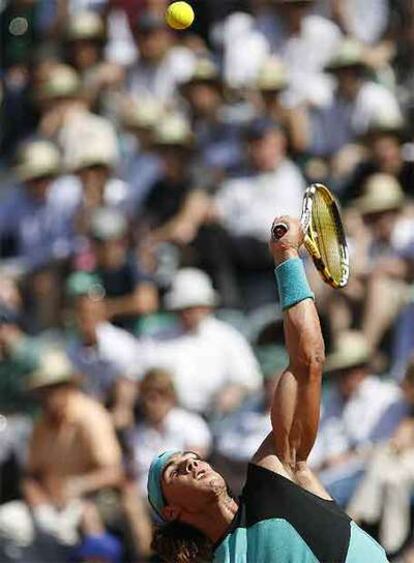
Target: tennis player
[284, 514]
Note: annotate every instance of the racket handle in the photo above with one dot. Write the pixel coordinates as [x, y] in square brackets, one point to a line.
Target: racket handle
[279, 230]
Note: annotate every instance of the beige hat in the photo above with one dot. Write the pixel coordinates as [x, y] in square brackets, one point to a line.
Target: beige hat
[272, 76]
[204, 71]
[54, 368]
[350, 53]
[85, 25]
[144, 113]
[38, 159]
[98, 145]
[174, 130]
[191, 288]
[351, 350]
[382, 192]
[386, 121]
[62, 82]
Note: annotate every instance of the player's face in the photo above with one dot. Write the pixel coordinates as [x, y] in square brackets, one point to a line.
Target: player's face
[190, 483]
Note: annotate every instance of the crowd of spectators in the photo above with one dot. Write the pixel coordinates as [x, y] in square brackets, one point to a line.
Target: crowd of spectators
[140, 171]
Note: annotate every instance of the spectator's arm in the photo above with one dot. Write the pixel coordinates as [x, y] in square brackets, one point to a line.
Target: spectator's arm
[298, 128]
[184, 226]
[391, 267]
[228, 400]
[124, 397]
[34, 494]
[403, 438]
[105, 477]
[339, 16]
[143, 301]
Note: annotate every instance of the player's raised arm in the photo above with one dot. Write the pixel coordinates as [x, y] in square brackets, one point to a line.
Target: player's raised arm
[296, 402]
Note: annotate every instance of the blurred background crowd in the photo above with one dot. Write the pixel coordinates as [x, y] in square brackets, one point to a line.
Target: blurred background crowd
[140, 171]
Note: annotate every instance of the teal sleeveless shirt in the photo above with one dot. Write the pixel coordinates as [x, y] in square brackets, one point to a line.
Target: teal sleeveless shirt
[280, 522]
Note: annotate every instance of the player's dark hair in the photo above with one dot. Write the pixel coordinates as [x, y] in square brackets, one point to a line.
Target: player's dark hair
[176, 542]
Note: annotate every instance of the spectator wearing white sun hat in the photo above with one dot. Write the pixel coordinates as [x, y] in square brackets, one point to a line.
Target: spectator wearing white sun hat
[212, 364]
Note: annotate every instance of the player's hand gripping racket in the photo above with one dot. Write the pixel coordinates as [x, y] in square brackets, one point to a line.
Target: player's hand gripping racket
[324, 235]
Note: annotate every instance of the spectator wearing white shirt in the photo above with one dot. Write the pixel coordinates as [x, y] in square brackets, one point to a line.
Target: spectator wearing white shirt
[164, 425]
[366, 21]
[289, 30]
[359, 410]
[298, 43]
[246, 206]
[274, 184]
[212, 364]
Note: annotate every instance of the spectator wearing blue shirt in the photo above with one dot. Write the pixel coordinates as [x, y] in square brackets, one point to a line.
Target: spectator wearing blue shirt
[37, 234]
[35, 230]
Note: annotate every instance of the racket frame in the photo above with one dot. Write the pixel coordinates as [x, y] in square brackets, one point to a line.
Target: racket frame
[310, 236]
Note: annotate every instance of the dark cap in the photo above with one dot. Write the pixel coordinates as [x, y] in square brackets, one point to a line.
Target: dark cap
[259, 127]
[148, 22]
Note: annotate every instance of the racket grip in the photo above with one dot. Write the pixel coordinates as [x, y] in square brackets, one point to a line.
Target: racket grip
[279, 230]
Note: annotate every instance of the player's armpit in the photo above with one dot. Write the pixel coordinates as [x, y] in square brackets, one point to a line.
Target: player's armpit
[266, 457]
[303, 475]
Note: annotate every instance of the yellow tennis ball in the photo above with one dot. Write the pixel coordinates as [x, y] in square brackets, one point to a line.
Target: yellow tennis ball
[180, 15]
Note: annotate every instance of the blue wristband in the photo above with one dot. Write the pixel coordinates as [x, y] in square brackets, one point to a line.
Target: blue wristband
[292, 283]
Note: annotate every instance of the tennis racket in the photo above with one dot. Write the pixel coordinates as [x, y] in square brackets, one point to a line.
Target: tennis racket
[324, 235]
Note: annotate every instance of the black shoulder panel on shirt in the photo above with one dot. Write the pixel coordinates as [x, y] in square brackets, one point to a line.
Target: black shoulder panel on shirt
[321, 523]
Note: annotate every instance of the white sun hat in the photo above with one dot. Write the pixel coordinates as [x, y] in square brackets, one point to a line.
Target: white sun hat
[191, 288]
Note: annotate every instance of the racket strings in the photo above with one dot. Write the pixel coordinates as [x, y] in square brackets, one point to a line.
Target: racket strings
[328, 236]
